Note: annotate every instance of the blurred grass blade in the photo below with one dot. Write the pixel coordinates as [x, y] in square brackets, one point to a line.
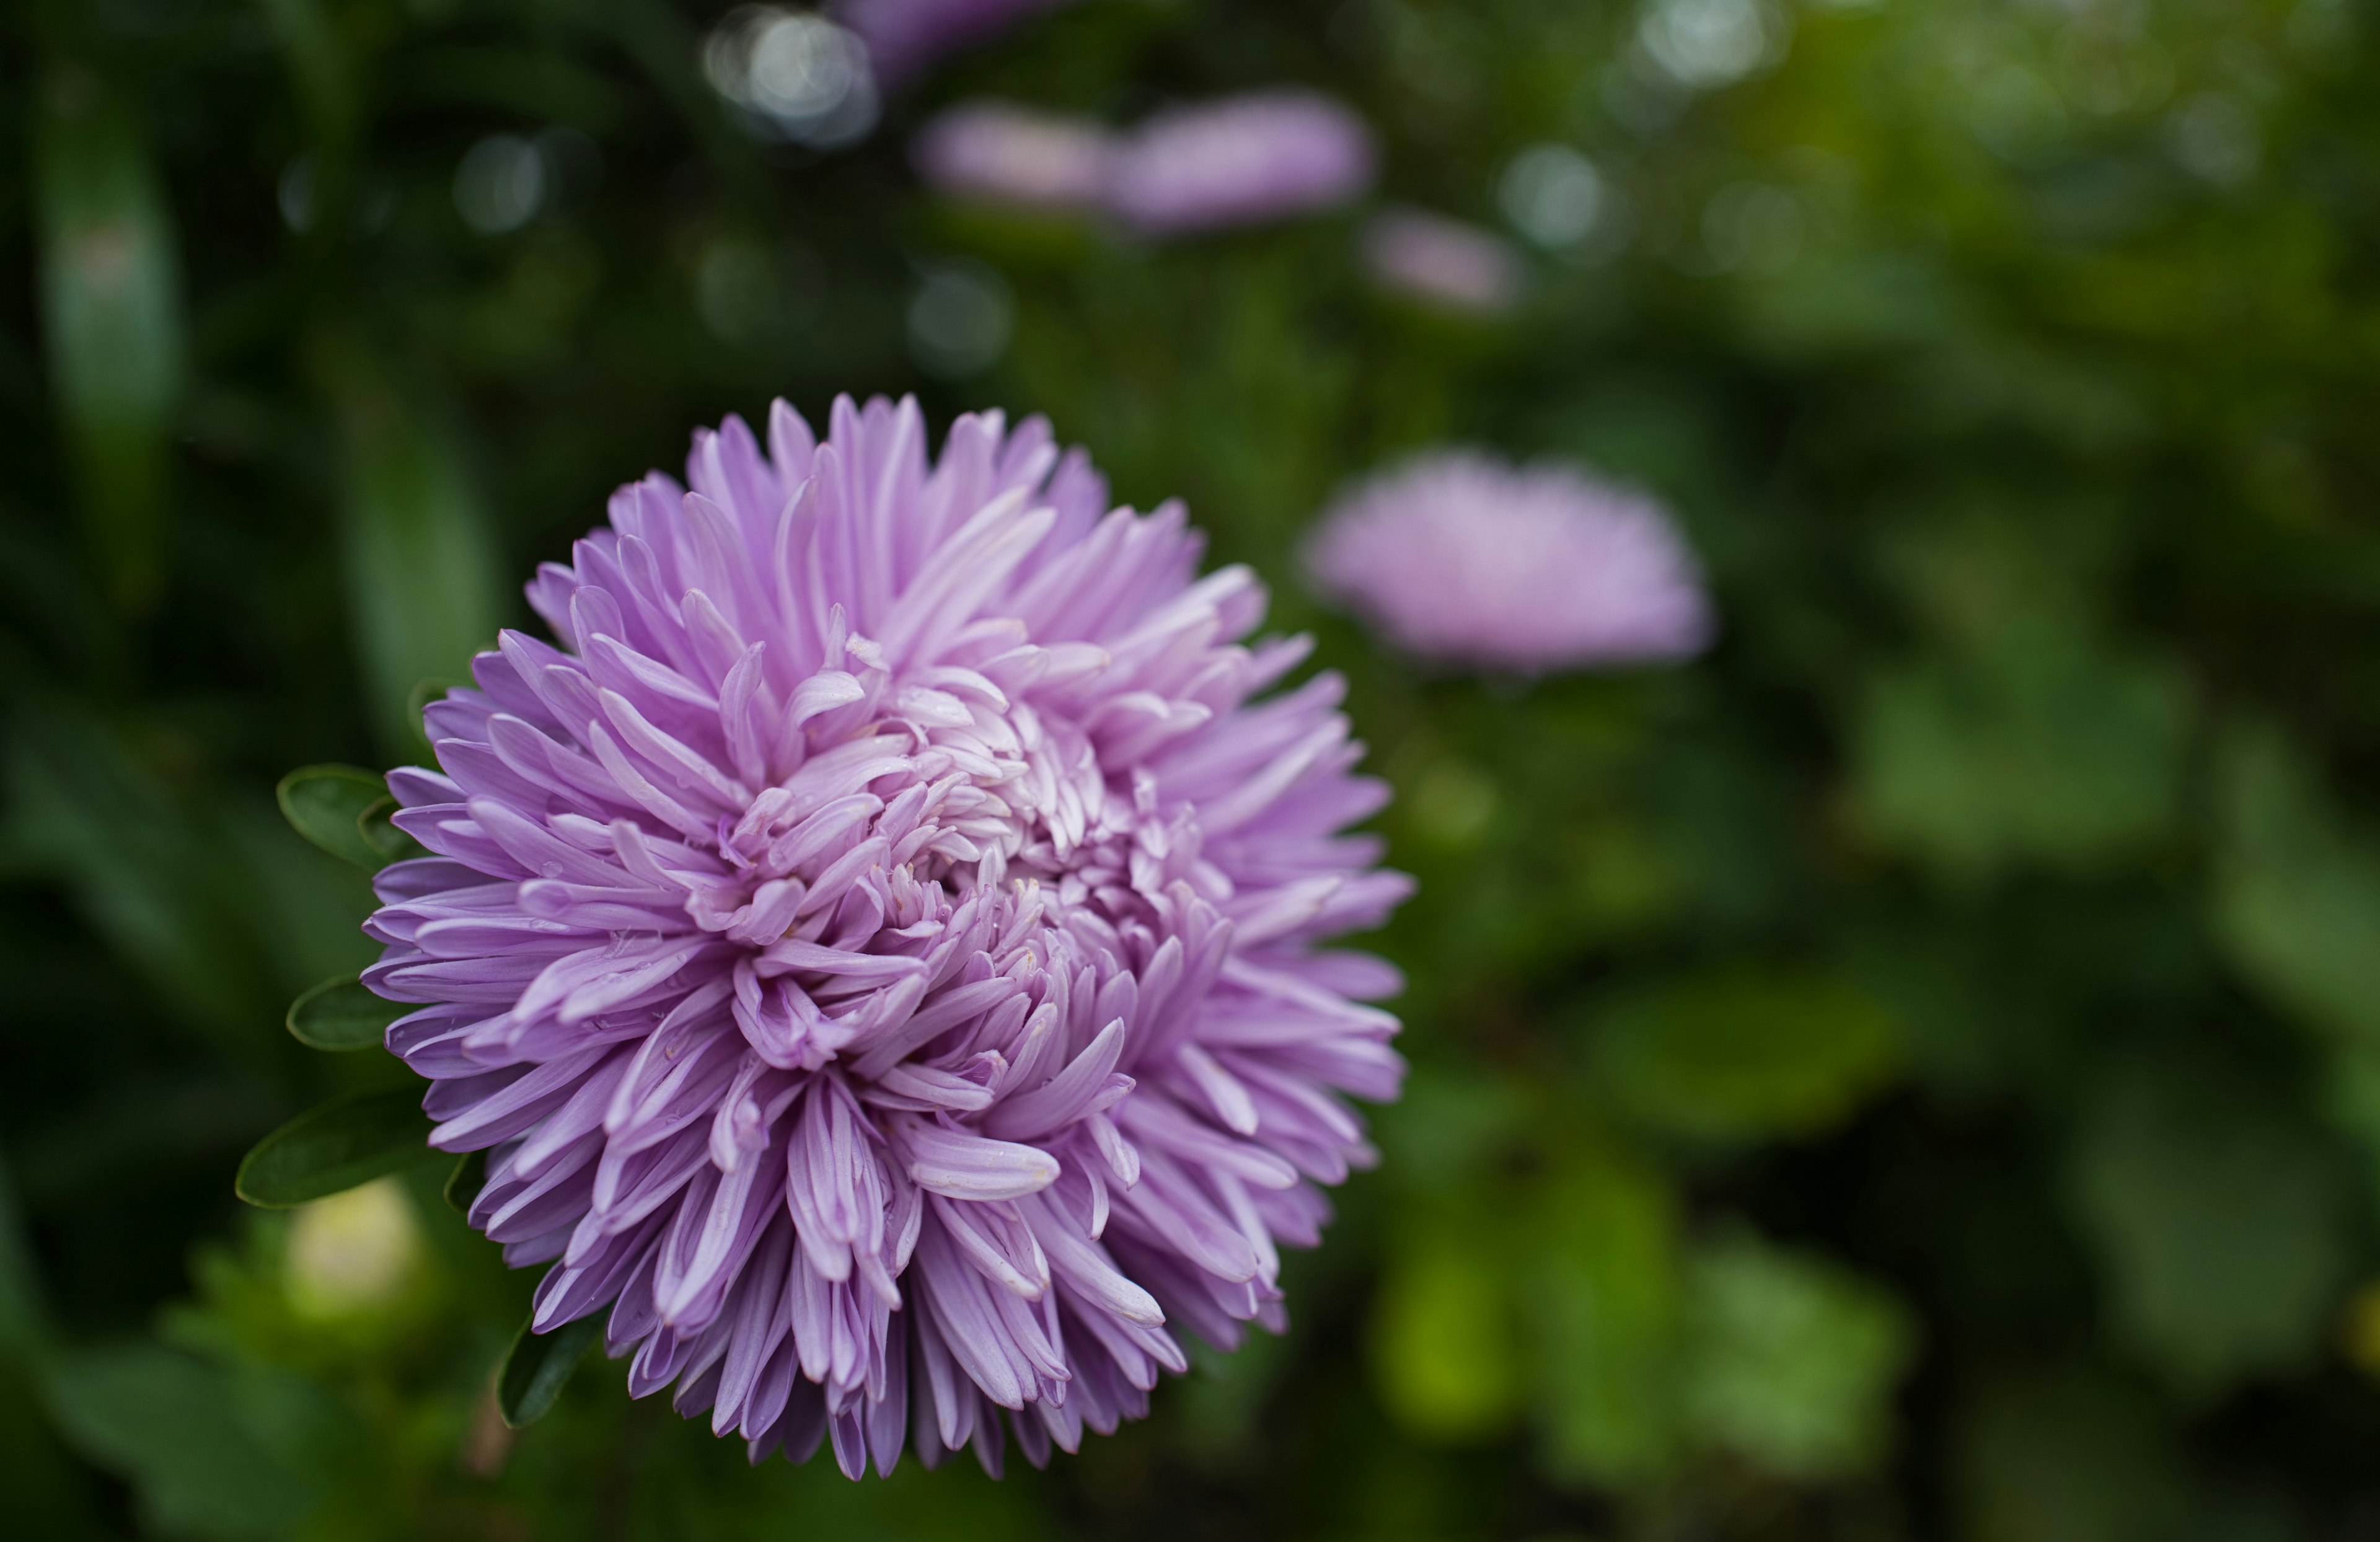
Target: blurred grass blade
[328, 805]
[419, 556]
[464, 1184]
[24, 1317]
[539, 1365]
[319, 65]
[146, 866]
[111, 316]
[342, 1015]
[327, 1151]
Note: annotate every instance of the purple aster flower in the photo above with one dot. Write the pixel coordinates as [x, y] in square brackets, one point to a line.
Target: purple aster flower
[905, 36]
[1466, 559]
[1011, 154]
[1442, 260]
[880, 949]
[1240, 160]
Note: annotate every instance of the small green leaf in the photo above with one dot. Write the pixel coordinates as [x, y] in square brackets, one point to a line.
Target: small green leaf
[1792, 1361]
[464, 1184]
[328, 804]
[1443, 1334]
[428, 692]
[2045, 747]
[1603, 1293]
[538, 1366]
[382, 834]
[2221, 1222]
[425, 694]
[342, 1015]
[205, 1450]
[326, 1150]
[2296, 899]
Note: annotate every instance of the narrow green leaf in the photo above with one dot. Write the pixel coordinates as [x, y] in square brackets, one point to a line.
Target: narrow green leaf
[464, 1184]
[326, 1150]
[342, 1015]
[111, 316]
[328, 805]
[539, 1365]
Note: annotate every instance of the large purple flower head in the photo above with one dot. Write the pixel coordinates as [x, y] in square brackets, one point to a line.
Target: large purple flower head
[1465, 559]
[1241, 160]
[880, 950]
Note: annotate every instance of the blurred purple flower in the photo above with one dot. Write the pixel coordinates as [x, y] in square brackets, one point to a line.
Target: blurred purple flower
[905, 36]
[1446, 262]
[1462, 558]
[879, 950]
[1242, 160]
[1011, 154]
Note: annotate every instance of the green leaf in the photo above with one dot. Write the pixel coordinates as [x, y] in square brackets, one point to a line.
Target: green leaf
[1791, 1361]
[1603, 1296]
[381, 833]
[325, 1150]
[2296, 889]
[2040, 747]
[194, 1441]
[328, 805]
[111, 316]
[426, 693]
[464, 1184]
[539, 1365]
[2219, 1223]
[343, 1015]
[1745, 1051]
[1443, 1334]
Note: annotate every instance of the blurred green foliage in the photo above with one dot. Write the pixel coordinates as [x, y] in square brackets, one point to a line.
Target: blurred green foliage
[1912, 1072]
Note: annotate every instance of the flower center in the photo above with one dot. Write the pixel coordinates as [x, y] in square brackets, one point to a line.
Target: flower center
[926, 842]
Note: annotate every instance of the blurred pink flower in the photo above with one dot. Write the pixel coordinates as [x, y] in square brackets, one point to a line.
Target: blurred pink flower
[1447, 261]
[1012, 154]
[905, 36]
[1466, 559]
[1241, 160]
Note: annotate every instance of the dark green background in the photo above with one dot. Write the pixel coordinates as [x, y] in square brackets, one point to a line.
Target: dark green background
[1912, 1072]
